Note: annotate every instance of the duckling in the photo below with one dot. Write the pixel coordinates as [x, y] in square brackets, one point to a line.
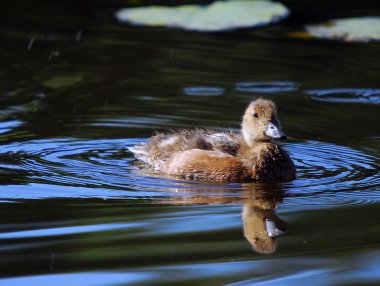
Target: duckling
[208, 155]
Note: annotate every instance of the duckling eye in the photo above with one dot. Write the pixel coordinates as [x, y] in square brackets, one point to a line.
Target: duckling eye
[255, 115]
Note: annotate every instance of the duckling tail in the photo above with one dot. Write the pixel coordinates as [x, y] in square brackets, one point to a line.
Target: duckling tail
[139, 152]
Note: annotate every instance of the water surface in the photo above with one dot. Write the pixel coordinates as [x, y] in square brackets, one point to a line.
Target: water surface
[77, 89]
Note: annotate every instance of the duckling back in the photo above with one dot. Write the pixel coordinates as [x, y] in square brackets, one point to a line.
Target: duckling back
[162, 147]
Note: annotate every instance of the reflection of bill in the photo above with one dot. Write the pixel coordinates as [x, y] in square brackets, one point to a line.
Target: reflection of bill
[261, 224]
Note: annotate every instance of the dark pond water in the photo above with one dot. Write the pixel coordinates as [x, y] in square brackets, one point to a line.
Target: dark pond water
[77, 88]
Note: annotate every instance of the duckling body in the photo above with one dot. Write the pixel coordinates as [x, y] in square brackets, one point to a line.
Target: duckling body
[223, 156]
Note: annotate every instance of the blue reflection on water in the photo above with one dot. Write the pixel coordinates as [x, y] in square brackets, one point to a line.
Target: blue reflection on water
[203, 91]
[294, 271]
[266, 86]
[78, 279]
[7, 126]
[70, 230]
[346, 95]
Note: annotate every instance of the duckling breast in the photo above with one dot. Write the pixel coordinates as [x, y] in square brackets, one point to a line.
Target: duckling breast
[273, 164]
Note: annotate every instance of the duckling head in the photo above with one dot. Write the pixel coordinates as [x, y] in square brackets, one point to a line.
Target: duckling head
[260, 122]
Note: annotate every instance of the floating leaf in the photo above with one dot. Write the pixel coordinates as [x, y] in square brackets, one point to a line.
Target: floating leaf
[218, 16]
[361, 29]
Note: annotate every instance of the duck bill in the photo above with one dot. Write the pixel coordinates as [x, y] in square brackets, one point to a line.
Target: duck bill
[275, 132]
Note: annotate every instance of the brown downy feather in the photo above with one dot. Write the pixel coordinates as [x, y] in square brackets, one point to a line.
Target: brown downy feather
[273, 163]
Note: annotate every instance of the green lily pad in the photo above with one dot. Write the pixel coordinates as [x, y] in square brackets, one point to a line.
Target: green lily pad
[218, 16]
[361, 29]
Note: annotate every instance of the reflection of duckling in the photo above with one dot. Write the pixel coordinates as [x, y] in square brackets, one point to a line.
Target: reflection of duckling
[261, 224]
[223, 156]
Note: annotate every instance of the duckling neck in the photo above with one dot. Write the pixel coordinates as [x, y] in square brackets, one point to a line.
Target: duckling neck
[250, 142]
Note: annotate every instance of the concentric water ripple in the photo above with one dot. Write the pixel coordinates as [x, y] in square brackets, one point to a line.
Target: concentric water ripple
[332, 167]
[266, 86]
[102, 168]
[203, 90]
[91, 168]
[346, 95]
[340, 174]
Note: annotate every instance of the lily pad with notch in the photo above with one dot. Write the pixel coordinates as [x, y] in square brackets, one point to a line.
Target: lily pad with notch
[357, 29]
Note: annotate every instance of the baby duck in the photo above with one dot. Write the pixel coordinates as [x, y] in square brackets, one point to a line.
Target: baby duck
[223, 156]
